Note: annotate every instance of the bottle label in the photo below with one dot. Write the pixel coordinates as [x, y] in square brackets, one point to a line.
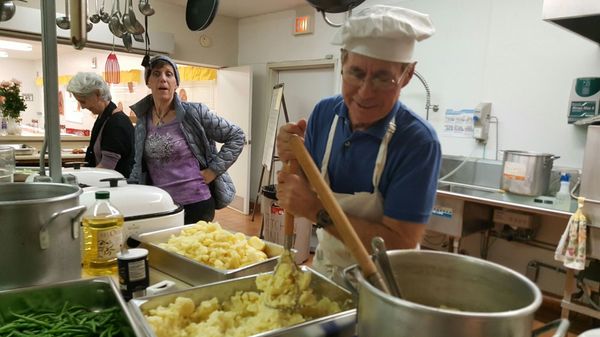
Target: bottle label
[109, 243]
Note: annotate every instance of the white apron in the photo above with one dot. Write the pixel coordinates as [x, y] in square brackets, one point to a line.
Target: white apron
[331, 256]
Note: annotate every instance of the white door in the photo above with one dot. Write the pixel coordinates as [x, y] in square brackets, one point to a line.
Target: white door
[302, 90]
[233, 101]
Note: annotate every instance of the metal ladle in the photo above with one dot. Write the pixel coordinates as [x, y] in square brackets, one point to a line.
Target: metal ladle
[132, 25]
[95, 18]
[115, 25]
[381, 258]
[7, 10]
[145, 8]
[63, 21]
[104, 16]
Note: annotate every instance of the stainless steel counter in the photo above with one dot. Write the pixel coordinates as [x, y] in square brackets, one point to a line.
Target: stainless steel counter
[538, 205]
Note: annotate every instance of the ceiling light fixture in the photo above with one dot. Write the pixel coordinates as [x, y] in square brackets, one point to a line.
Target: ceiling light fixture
[12, 45]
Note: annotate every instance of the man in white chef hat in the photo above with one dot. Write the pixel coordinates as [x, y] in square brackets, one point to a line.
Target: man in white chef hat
[380, 158]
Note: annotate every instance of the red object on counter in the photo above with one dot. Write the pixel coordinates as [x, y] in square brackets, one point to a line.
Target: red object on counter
[78, 132]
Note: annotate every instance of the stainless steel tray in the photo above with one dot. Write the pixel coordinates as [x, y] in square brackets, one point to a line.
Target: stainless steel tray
[194, 272]
[342, 324]
[94, 294]
[21, 149]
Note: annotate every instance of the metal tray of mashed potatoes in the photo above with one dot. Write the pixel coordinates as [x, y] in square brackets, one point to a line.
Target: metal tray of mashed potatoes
[341, 324]
[93, 294]
[194, 272]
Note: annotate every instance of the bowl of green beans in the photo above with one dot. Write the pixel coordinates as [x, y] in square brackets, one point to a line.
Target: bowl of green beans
[87, 307]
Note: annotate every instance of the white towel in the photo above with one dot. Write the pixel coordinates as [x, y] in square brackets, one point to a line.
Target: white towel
[571, 247]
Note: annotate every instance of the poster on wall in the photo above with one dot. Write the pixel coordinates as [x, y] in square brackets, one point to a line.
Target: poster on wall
[459, 123]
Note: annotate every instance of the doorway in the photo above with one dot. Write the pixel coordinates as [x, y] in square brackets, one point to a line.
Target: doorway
[305, 84]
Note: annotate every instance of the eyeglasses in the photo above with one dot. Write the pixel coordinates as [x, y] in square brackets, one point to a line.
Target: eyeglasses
[357, 78]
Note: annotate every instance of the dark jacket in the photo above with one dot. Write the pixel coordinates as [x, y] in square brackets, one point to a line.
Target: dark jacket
[117, 137]
[202, 129]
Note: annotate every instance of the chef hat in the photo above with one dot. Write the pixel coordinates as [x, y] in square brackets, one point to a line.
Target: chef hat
[384, 32]
[163, 58]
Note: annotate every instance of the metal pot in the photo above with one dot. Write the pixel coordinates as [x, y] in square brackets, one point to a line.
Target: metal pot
[334, 6]
[446, 294]
[39, 234]
[526, 173]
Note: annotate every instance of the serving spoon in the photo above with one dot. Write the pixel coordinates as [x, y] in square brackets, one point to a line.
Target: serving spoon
[63, 21]
[7, 10]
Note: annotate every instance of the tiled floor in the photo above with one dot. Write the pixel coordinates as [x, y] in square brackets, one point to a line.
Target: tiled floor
[549, 311]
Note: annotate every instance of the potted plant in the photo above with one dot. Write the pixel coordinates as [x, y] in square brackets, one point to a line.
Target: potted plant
[12, 104]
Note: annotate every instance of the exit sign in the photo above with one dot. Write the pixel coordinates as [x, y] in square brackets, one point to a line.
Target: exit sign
[303, 25]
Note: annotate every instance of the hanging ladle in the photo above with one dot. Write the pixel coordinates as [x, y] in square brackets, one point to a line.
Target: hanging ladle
[115, 26]
[130, 23]
[63, 21]
[95, 18]
[342, 224]
[104, 16]
[145, 8]
[7, 10]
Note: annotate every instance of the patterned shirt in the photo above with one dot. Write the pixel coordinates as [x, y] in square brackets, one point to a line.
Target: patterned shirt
[171, 164]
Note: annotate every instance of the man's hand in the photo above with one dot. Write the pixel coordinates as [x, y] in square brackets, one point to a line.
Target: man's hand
[284, 151]
[296, 196]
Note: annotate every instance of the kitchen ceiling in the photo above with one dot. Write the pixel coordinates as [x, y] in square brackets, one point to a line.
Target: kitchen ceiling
[241, 9]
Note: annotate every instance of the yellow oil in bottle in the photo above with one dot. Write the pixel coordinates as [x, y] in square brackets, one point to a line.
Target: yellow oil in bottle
[102, 238]
[102, 241]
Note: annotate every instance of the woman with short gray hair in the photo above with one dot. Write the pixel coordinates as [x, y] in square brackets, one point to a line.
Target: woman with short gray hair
[112, 139]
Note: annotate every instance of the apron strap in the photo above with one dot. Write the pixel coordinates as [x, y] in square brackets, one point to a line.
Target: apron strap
[328, 147]
[382, 154]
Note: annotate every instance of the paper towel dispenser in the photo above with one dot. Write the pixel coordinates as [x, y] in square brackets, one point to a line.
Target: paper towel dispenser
[579, 16]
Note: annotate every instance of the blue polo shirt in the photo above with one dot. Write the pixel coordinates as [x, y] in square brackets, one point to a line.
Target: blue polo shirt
[409, 179]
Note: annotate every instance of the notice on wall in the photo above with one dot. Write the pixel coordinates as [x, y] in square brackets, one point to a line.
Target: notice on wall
[459, 123]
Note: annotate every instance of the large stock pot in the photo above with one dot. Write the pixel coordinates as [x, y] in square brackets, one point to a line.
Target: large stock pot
[445, 294]
[526, 173]
[39, 234]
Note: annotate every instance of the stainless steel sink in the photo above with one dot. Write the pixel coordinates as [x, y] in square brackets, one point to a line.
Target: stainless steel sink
[473, 173]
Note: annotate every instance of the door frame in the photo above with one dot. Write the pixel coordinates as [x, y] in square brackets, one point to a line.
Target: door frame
[273, 69]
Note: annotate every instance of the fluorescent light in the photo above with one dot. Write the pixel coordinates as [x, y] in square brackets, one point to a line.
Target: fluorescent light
[4, 44]
[3, 54]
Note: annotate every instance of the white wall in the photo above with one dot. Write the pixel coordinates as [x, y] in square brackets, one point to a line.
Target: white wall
[498, 51]
[21, 70]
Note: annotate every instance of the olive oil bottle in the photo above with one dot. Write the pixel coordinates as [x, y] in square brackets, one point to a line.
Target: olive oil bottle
[102, 236]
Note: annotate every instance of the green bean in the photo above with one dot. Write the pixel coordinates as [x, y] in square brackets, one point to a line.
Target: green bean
[69, 321]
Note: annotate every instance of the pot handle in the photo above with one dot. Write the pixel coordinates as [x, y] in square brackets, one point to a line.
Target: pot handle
[561, 325]
[45, 237]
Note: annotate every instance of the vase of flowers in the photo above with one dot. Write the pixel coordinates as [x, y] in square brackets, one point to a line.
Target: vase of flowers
[11, 105]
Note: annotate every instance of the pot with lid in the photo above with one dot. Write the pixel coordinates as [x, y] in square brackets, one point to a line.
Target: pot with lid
[145, 208]
[526, 173]
[39, 234]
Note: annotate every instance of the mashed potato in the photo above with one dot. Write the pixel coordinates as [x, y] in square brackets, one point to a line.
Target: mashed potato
[243, 314]
[208, 243]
